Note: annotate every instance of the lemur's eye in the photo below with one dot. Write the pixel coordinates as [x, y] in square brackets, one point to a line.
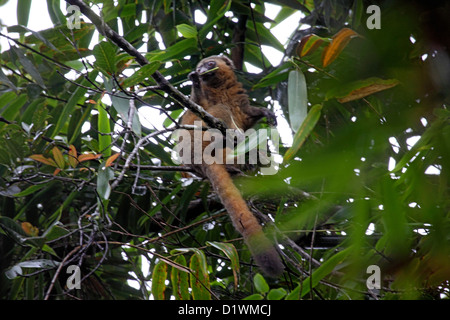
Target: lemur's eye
[211, 64]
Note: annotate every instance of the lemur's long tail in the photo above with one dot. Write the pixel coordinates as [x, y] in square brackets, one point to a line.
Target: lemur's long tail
[244, 221]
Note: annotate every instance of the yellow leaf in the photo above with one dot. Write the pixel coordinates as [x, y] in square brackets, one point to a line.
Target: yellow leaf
[88, 156]
[30, 229]
[363, 92]
[59, 159]
[41, 158]
[338, 43]
[73, 158]
[308, 44]
[111, 159]
[57, 170]
[360, 89]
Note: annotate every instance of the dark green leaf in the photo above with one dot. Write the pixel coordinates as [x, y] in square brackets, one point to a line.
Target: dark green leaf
[30, 190]
[29, 66]
[4, 80]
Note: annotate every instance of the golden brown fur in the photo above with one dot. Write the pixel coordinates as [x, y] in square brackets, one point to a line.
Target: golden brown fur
[221, 95]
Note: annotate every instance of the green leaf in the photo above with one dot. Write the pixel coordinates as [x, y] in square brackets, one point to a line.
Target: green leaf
[12, 111]
[58, 157]
[30, 190]
[304, 131]
[260, 283]
[142, 74]
[435, 128]
[23, 11]
[265, 37]
[309, 44]
[297, 99]
[13, 228]
[325, 269]
[283, 14]
[199, 279]
[105, 57]
[255, 296]
[76, 122]
[55, 13]
[61, 49]
[39, 116]
[394, 220]
[275, 77]
[128, 10]
[180, 280]
[38, 35]
[176, 51]
[104, 131]
[175, 115]
[103, 187]
[159, 277]
[121, 103]
[5, 80]
[231, 253]
[187, 31]
[276, 294]
[217, 9]
[55, 231]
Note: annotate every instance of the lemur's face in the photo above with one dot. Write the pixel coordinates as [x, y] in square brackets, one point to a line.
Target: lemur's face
[214, 67]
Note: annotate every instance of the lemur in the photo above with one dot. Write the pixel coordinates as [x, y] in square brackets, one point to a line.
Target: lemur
[215, 88]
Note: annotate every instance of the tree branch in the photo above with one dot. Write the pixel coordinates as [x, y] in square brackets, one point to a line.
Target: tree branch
[164, 85]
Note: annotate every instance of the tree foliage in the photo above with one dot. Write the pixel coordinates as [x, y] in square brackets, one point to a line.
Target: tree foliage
[87, 178]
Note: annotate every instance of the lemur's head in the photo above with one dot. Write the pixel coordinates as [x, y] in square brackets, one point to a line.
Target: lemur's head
[214, 71]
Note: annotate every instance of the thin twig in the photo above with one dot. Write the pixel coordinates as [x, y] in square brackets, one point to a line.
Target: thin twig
[61, 265]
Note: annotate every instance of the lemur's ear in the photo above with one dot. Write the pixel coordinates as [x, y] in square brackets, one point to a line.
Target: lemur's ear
[228, 61]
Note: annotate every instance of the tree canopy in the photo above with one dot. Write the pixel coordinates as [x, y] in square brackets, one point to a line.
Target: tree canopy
[93, 205]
